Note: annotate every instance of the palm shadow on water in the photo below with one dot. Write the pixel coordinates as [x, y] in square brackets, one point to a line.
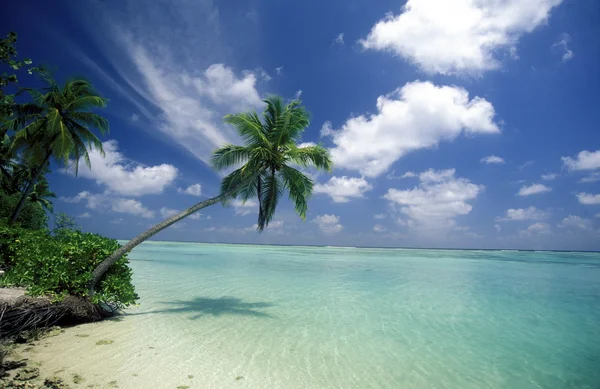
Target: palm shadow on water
[203, 306]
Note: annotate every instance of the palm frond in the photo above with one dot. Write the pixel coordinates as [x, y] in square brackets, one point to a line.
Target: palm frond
[271, 191]
[228, 156]
[249, 127]
[315, 156]
[300, 188]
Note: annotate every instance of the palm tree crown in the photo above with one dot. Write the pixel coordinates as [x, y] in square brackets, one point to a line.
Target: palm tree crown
[269, 155]
[57, 123]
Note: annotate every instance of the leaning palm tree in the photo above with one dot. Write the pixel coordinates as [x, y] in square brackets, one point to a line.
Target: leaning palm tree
[56, 124]
[267, 169]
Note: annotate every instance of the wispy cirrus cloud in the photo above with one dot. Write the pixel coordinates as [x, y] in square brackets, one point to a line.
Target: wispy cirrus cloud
[181, 90]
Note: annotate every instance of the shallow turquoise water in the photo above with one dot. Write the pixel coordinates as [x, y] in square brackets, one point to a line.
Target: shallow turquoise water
[299, 317]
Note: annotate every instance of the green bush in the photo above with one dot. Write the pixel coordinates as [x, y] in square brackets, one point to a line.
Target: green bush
[32, 215]
[61, 264]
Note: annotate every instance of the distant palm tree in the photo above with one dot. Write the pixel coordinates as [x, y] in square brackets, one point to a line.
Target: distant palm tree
[56, 124]
[41, 194]
[267, 160]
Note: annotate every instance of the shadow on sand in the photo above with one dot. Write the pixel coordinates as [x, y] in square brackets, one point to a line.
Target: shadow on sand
[202, 306]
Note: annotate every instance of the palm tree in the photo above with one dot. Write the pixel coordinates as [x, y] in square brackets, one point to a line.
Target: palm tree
[56, 124]
[41, 194]
[267, 160]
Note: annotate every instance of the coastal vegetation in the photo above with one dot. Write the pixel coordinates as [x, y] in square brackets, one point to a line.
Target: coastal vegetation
[38, 125]
[59, 123]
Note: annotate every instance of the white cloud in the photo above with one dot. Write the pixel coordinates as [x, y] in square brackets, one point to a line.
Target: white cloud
[117, 221]
[192, 105]
[380, 216]
[340, 39]
[193, 190]
[276, 226]
[134, 117]
[585, 160]
[392, 175]
[328, 224]
[298, 94]
[416, 116]
[562, 46]
[492, 159]
[132, 207]
[279, 70]
[124, 177]
[576, 223]
[342, 189]
[588, 198]
[498, 227]
[459, 36]
[244, 208]
[531, 213]
[107, 201]
[439, 198]
[592, 177]
[528, 190]
[85, 215]
[221, 86]
[536, 229]
[549, 176]
[168, 212]
[306, 144]
[379, 228]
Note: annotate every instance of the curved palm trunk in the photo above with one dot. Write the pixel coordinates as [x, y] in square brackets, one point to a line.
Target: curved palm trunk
[29, 189]
[110, 260]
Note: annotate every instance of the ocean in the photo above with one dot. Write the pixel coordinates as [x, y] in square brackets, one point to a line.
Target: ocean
[237, 316]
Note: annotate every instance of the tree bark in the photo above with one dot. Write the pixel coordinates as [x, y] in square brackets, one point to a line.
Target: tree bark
[29, 188]
[114, 257]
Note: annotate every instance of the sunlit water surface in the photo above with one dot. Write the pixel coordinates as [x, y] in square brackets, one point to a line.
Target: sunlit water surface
[232, 316]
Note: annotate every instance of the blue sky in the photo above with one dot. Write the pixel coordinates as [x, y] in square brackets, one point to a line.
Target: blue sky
[451, 123]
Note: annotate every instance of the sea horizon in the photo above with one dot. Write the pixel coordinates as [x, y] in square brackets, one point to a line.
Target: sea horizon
[368, 247]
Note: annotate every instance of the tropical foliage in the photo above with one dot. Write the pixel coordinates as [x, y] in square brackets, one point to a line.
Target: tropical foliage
[56, 123]
[61, 264]
[267, 163]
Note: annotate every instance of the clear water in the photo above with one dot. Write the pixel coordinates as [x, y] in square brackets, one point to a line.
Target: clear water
[299, 317]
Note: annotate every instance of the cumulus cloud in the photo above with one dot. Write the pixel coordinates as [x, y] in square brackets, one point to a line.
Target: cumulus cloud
[498, 227]
[85, 215]
[528, 190]
[342, 189]
[585, 160]
[439, 198]
[460, 36]
[536, 229]
[192, 190]
[549, 176]
[492, 159]
[328, 224]
[276, 226]
[531, 213]
[418, 115]
[124, 177]
[392, 175]
[588, 198]
[339, 39]
[107, 201]
[379, 228]
[592, 177]
[244, 208]
[562, 47]
[380, 216]
[576, 223]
